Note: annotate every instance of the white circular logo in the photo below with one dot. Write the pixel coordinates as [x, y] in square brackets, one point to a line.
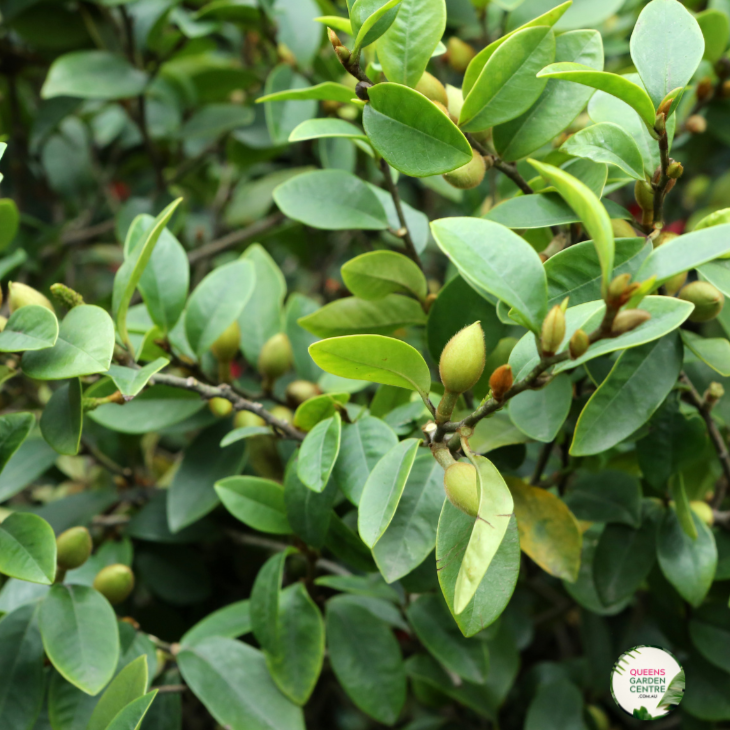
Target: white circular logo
[647, 682]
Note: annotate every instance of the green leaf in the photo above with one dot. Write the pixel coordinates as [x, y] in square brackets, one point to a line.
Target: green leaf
[129, 685]
[411, 535]
[131, 381]
[493, 518]
[27, 548]
[406, 48]
[308, 512]
[29, 328]
[265, 596]
[316, 409]
[411, 133]
[715, 27]
[212, 120]
[689, 565]
[331, 200]
[370, 19]
[618, 86]
[366, 659]
[549, 533]
[609, 496]
[508, 84]
[541, 413]
[84, 347]
[63, 418]
[556, 706]
[713, 351]
[675, 691]
[609, 143]
[231, 679]
[14, 429]
[376, 274]
[591, 212]
[93, 75]
[383, 490]
[682, 505]
[318, 453]
[297, 307]
[559, 103]
[217, 302]
[231, 622]
[327, 91]
[708, 691]
[327, 128]
[666, 47]
[258, 503]
[509, 268]
[636, 386]
[79, 630]
[354, 315]
[131, 717]
[9, 222]
[22, 680]
[374, 358]
[283, 116]
[708, 628]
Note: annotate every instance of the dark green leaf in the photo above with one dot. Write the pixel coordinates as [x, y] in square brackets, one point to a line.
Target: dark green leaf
[62, 418]
[27, 548]
[307, 511]
[609, 496]
[257, 502]
[541, 413]
[229, 622]
[318, 453]
[556, 706]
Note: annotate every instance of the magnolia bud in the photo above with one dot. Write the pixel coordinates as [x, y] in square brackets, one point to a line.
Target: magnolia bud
[220, 407]
[462, 360]
[660, 122]
[553, 330]
[334, 38]
[275, 358]
[618, 286]
[673, 285]
[244, 419]
[579, 344]
[713, 394]
[627, 320]
[459, 54]
[21, 295]
[703, 511]
[432, 89]
[73, 548]
[225, 348]
[675, 170]
[501, 381]
[460, 483]
[282, 413]
[343, 53]
[707, 299]
[622, 228]
[664, 237]
[299, 391]
[704, 88]
[67, 296]
[115, 582]
[696, 124]
[644, 194]
[468, 176]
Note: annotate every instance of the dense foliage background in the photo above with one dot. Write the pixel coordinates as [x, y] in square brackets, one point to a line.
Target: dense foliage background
[199, 191]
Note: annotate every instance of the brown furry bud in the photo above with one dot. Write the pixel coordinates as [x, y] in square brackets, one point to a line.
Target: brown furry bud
[704, 89]
[553, 330]
[696, 124]
[707, 299]
[115, 583]
[470, 175]
[629, 320]
[579, 344]
[460, 483]
[501, 381]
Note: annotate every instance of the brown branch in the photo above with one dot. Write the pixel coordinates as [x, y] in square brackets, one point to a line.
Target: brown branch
[506, 168]
[79, 235]
[661, 187]
[404, 233]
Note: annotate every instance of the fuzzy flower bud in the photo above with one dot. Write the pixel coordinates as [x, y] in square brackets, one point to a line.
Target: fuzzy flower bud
[462, 360]
[73, 548]
[460, 483]
[553, 330]
[275, 359]
[66, 296]
[707, 299]
[115, 582]
[627, 320]
[21, 295]
[675, 170]
[501, 381]
[579, 344]
[470, 175]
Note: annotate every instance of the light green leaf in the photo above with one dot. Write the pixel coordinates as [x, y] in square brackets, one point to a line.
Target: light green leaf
[62, 419]
[412, 133]
[541, 413]
[374, 358]
[129, 685]
[27, 548]
[682, 505]
[9, 222]
[14, 429]
[316, 409]
[327, 91]
[337, 22]
[715, 27]
[714, 219]
[29, 328]
[319, 452]
[369, 21]
[231, 622]
[258, 503]
[713, 351]
[130, 381]
[326, 128]
[131, 717]
[609, 143]
[284, 115]
[379, 273]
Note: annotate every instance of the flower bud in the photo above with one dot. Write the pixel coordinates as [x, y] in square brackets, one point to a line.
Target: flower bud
[275, 359]
[343, 53]
[432, 89]
[115, 583]
[675, 170]
[468, 176]
[462, 360]
[334, 38]
[579, 344]
[673, 285]
[459, 54]
[622, 228]
[707, 299]
[725, 92]
[244, 419]
[73, 548]
[660, 122]
[703, 511]
[704, 88]
[299, 391]
[460, 483]
[225, 348]
[644, 194]
[713, 395]
[501, 381]
[220, 407]
[618, 286]
[627, 320]
[282, 413]
[664, 237]
[66, 296]
[21, 295]
[696, 124]
[553, 330]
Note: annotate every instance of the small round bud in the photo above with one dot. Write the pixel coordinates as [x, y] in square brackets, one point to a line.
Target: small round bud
[21, 295]
[675, 170]
[73, 548]
[553, 330]
[115, 583]
[282, 413]
[660, 123]
[460, 483]
[696, 124]
[644, 194]
[714, 393]
[245, 419]
[629, 319]
[579, 344]
[704, 88]
[225, 348]
[432, 89]
[501, 381]
[622, 228]
[725, 91]
[299, 391]
[361, 90]
[275, 358]
[220, 407]
[66, 296]
[459, 54]
[703, 511]
[470, 175]
[664, 237]
[707, 299]
[462, 360]
[675, 283]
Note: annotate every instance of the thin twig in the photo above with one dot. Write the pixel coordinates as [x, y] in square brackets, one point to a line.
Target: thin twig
[660, 190]
[506, 168]
[79, 235]
[235, 237]
[405, 233]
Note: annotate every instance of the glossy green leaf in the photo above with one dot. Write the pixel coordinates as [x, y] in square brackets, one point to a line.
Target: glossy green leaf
[284, 114]
[715, 27]
[331, 200]
[129, 685]
[79, 630]
[84, 347]
[93, 75]
[374, 358]
[509, 269]
[713, 351]
[316, 409]
[556, 706]
[27, 548]
[406, 48]
[327, 128]
[229, 622]
[508, 84]
[62, 419]
[29, 328]
[609, 143]
[610, 496]
[213, 120]
[411, 133]
[541, 413]
[689, 565]
[265, 596]
[9, 222]
[239, 434]
[366, 660]
[666, 47]
[682, 505]
[308, 512]
[327, 91]
[618, 86]
[131, 381]
[131, 717]
[258, 503]
[318, 453]
[376, 274]
[636, 386]
[370, 19]
[383, 489]
[14, 429]
[217, 302]
[231, 679]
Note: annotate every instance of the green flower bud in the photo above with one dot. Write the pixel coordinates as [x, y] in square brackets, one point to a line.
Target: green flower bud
[707, 299]
[220, 407]
[673, 285]
[470, 175]
[73, 548]
[432, 89]
[644, 193]
[714, 393]
[66, 296]
[599, 717]
[579, 344]
[299, 391]
[675, 170]
[275, 359]
[618, 286]
[627, 320]
[21, 295]
[703, 511]
[115, 583]
[622, 228]
[282, 413]
[245, 419]
[553, 330]
[462, 360]
[460, 483]
[225, 348]
[459, 54]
